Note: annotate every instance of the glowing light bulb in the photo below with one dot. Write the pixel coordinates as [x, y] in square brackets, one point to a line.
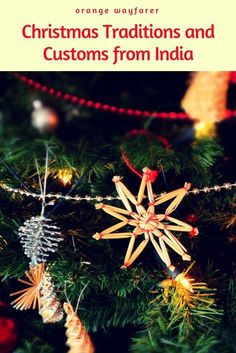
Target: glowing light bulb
[184, 282]
[65, 176]
[205, 129]
[65, 180]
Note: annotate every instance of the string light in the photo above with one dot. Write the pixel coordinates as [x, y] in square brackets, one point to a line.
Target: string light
[105, 107]
[89, 198]
[65, 176]
[184, 282]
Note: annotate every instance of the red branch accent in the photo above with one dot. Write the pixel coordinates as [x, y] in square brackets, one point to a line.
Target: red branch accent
[129, 165]
[106, 107]
[153, 174]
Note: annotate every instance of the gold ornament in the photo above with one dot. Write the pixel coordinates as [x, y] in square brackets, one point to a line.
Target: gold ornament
[206, 98]
[78, 339]
[39, 293]
[155, 227]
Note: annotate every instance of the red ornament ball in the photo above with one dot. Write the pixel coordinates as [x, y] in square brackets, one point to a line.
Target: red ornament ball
[44, 119]
[10, 333]
[191, 218]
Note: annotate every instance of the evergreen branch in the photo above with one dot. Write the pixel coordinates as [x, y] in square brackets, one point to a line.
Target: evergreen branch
[178, 320]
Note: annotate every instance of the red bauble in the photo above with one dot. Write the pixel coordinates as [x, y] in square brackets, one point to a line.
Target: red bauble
[10, 333]
[44, 119]
[191, 218]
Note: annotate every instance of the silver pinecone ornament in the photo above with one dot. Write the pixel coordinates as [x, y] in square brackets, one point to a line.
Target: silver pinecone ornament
[39, 237]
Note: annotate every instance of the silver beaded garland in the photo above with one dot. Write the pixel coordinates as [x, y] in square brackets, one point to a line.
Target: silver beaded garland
[88, 198]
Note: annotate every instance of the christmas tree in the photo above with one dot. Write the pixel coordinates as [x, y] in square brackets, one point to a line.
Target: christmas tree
[145, 159]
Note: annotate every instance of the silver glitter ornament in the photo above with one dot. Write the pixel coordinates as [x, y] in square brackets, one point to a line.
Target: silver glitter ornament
[50, 307]
[39, 237]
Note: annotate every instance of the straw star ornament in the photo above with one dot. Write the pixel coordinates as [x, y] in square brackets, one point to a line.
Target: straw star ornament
[157, 228]
[39, 293]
